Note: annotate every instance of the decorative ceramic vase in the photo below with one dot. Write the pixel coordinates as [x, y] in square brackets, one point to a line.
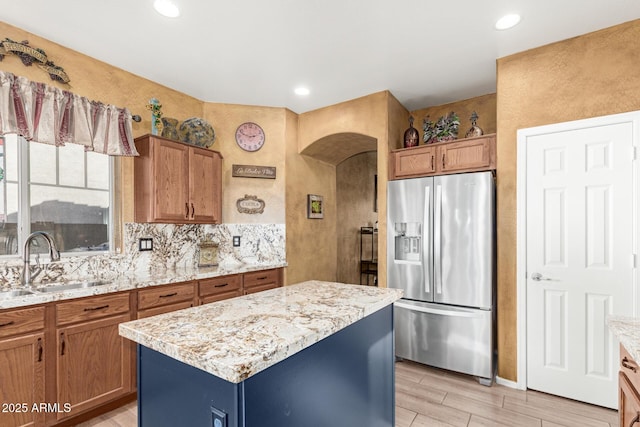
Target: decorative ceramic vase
[475, 130]
[197, 131]
[411, 135]
[156, 113]
[170, 128]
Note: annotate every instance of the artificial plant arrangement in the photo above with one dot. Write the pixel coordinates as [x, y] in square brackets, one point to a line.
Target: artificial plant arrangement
[445, 129]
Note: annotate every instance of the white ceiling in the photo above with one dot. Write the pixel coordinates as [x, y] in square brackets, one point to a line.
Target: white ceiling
[255, 52]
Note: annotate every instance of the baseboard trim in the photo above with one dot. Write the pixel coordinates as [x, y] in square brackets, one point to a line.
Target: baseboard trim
[508, 383]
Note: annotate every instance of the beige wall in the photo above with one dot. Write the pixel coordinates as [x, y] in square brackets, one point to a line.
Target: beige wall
[99, 81]
[311, 243]
[484, 106]
[379, 116]
[592, 75]
[355, 196]
[225, 119]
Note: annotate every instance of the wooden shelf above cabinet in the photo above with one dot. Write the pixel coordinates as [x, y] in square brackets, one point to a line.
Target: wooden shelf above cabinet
[441, 158]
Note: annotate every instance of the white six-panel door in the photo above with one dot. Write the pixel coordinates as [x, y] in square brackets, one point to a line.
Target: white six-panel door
[579, 257]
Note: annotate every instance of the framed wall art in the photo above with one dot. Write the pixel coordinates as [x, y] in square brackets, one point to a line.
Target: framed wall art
[315, 207]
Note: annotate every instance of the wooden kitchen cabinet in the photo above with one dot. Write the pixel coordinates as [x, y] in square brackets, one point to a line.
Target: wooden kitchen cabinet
[220, 288]
[93, 362]
[164, 299]
[441, 158]
[629, 384]
[416, 161]
[22, 367]
[257, 281]
[176, 182]
[469, 155]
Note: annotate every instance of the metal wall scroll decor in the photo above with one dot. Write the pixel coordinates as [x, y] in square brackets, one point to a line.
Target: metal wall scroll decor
[250, 205]
[252, 171]
[30, 55]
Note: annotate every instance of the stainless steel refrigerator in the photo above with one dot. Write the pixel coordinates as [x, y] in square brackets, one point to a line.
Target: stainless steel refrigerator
[441, 252]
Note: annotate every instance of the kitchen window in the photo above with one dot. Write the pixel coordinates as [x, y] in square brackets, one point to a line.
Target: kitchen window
[64, 191]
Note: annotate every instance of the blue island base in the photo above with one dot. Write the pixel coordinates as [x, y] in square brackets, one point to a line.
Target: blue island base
[345, 380]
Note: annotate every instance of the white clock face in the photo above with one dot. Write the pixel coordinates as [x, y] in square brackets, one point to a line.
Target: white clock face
[250, 136]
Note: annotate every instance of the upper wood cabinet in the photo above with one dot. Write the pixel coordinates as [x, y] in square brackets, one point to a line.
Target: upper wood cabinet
[176, 182]
[463, 155]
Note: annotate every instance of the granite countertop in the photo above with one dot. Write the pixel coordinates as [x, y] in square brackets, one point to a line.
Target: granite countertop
[627, 330]
[129, 282]
[237, 338]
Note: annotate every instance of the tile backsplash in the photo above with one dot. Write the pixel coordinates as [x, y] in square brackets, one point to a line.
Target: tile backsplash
[175, 246]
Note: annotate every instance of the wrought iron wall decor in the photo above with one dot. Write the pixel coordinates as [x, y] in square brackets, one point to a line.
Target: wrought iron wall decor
[30, 55]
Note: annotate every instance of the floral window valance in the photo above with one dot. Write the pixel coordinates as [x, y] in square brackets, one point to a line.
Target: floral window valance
[42, 113]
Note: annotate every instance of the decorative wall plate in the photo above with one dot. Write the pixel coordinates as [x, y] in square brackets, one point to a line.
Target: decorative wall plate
[250, 205]
[197, 131]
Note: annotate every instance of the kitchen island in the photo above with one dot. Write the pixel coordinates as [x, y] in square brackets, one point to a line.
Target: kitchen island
[312, 354]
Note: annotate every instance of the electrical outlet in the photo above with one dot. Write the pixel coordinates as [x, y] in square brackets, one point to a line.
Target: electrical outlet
[145, 244]
[219, 417]
[236, 241]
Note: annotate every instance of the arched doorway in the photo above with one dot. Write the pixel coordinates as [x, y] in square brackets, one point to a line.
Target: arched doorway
[355, 159]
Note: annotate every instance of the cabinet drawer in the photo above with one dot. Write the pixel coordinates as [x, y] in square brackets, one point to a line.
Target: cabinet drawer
[21, 321]
[263, 277]
[629, 367]
[218, 285]
[163, 295]
[164, 309]
[206, 299]
[92, 308]
[260, 288]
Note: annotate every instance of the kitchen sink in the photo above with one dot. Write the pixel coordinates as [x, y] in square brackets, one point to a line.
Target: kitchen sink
[14, 294]
[59, 287]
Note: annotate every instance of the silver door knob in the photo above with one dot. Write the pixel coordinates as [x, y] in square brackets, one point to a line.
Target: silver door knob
[538, 277]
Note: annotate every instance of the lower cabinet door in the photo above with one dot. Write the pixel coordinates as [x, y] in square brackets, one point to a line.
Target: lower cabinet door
[22, 381]
[629, 403]
[93, 364]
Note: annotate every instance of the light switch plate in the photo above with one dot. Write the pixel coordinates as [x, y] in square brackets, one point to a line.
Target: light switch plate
[236, 241]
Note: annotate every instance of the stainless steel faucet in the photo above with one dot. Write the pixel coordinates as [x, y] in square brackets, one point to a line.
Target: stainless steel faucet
[54, 254]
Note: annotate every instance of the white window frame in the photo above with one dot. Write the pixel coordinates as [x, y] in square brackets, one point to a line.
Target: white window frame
[24, 210]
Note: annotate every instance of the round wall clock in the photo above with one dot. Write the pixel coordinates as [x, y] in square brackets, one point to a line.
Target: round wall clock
[250, 136]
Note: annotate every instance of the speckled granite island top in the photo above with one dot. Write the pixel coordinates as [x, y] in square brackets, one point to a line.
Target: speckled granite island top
[237, 338]
[627, 330]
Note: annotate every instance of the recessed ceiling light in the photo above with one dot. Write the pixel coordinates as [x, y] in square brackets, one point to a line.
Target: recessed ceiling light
[166, 8]
[507, 21]
[302, 91]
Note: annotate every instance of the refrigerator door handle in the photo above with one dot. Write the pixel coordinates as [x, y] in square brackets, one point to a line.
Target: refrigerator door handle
[438, 311]
[426, 250]
[437, 242]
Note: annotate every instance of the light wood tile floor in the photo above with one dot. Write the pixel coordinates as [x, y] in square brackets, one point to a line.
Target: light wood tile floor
[427, 397]
[432, 397]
